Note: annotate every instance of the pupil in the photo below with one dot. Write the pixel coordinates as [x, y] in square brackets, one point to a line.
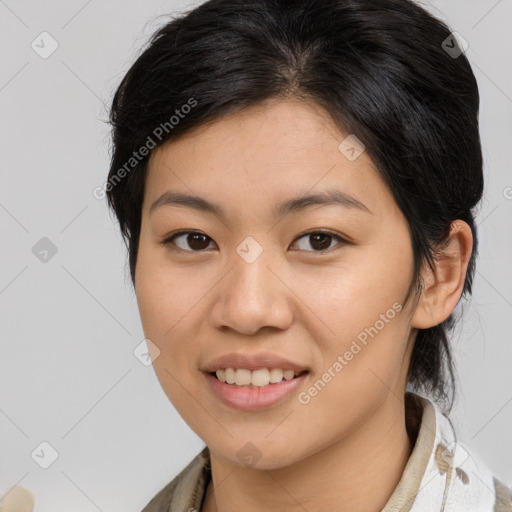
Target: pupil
[325, 241]
[197, 241]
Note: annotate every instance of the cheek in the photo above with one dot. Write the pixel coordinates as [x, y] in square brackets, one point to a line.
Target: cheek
[361, 315]
[361, 355]
[165, 301]
[164, 292]
[352, 295]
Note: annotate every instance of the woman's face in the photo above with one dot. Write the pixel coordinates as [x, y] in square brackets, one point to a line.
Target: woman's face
[257, 279]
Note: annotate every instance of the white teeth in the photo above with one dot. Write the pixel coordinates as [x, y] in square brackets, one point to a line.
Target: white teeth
[288, 374]
[230, 375]
[260, 377]
[242, 377]
[276, 375]
[257, 378]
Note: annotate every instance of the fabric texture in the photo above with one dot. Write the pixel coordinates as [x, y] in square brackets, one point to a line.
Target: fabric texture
[441, 475]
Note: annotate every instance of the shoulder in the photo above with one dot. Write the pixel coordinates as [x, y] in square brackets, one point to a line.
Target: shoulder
[186, 489]
[471, 483]
[456, 477]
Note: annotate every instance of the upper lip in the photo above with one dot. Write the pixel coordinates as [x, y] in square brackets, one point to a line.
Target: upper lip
[252, 362]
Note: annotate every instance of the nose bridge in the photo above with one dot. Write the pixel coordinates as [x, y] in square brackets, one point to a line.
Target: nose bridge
[251, 275]
[252, 297]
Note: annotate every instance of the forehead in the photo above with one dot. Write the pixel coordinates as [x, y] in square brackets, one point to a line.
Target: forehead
[265, 154]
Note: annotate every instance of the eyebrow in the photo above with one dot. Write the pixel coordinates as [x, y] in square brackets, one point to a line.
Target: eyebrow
[297, 204]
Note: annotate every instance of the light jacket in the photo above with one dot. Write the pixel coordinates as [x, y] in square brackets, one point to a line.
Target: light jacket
[441, 475]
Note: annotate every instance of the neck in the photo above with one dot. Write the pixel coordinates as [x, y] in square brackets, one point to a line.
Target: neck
[358, 472]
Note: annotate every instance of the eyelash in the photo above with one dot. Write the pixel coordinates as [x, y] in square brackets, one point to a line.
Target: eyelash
[170, 240]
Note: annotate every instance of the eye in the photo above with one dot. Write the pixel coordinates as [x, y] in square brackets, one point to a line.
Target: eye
[319, 240]
[194, 239]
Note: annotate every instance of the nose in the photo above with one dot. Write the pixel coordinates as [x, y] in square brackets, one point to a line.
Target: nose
[252, 296]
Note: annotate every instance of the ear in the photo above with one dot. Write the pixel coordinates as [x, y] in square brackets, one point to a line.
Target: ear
[443, 287]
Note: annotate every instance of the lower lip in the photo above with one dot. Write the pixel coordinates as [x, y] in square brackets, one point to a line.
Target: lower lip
[257, 398]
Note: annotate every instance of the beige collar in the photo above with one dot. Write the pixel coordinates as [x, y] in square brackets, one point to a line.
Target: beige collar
[440, 476]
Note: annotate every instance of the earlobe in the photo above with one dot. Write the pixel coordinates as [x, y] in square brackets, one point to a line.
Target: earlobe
[443, 287]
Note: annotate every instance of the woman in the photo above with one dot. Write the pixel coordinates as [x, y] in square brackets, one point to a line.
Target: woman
[296, 182]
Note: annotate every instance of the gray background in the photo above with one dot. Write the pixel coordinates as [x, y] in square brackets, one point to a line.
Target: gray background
[69, 326]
